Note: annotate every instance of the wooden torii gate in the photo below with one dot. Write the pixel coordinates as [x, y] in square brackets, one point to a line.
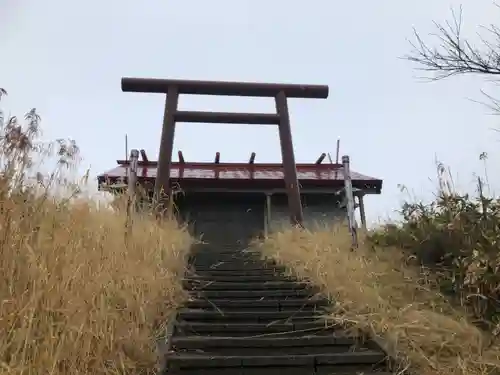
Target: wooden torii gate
[280, 92]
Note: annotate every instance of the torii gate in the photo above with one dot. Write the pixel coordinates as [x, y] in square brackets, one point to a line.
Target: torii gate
[280, 92]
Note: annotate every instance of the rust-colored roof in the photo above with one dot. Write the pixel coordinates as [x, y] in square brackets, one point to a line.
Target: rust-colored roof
[241, 176]
[237, 171]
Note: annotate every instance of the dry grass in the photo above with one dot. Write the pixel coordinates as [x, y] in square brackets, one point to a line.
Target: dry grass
[77, 296]
[375, 290]
[74, 298]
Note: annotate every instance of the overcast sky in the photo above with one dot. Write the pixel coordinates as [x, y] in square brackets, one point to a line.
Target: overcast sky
[66, 59]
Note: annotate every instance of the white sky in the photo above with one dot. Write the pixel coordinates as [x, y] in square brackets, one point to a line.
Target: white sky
[66, 59]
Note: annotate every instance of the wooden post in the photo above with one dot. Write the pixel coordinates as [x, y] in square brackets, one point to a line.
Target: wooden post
[268, 214]
[131, 190]
[162, 183]
[362, 213]
[132, 174]
[350, 199]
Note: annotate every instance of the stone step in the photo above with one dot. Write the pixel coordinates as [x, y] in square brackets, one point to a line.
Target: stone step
[204, 342]
[239, 272]
[192, 360]
[257, 294]
[242, 279]
[237, 266]
[242, 304]
[253, 329]
[245, 316]
[271, 351]
[280, 370]
[235, 262]
[228, 256]
[232, 285]
[225, 252]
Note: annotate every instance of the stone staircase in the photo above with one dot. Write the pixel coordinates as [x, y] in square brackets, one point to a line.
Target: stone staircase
[246, 318]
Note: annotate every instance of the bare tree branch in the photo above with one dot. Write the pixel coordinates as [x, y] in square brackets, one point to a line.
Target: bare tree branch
[454, 53]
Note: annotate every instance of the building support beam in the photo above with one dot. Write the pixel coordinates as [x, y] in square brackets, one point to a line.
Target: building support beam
[362, 213]
[267, 215]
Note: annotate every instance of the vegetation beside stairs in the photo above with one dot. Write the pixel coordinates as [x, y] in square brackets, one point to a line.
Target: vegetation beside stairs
[384, 292]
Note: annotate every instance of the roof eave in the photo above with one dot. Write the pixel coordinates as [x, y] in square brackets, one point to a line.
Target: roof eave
[372, 186]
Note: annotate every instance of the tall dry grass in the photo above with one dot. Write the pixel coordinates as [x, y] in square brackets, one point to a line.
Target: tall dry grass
[377, 291]
[75, 297]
